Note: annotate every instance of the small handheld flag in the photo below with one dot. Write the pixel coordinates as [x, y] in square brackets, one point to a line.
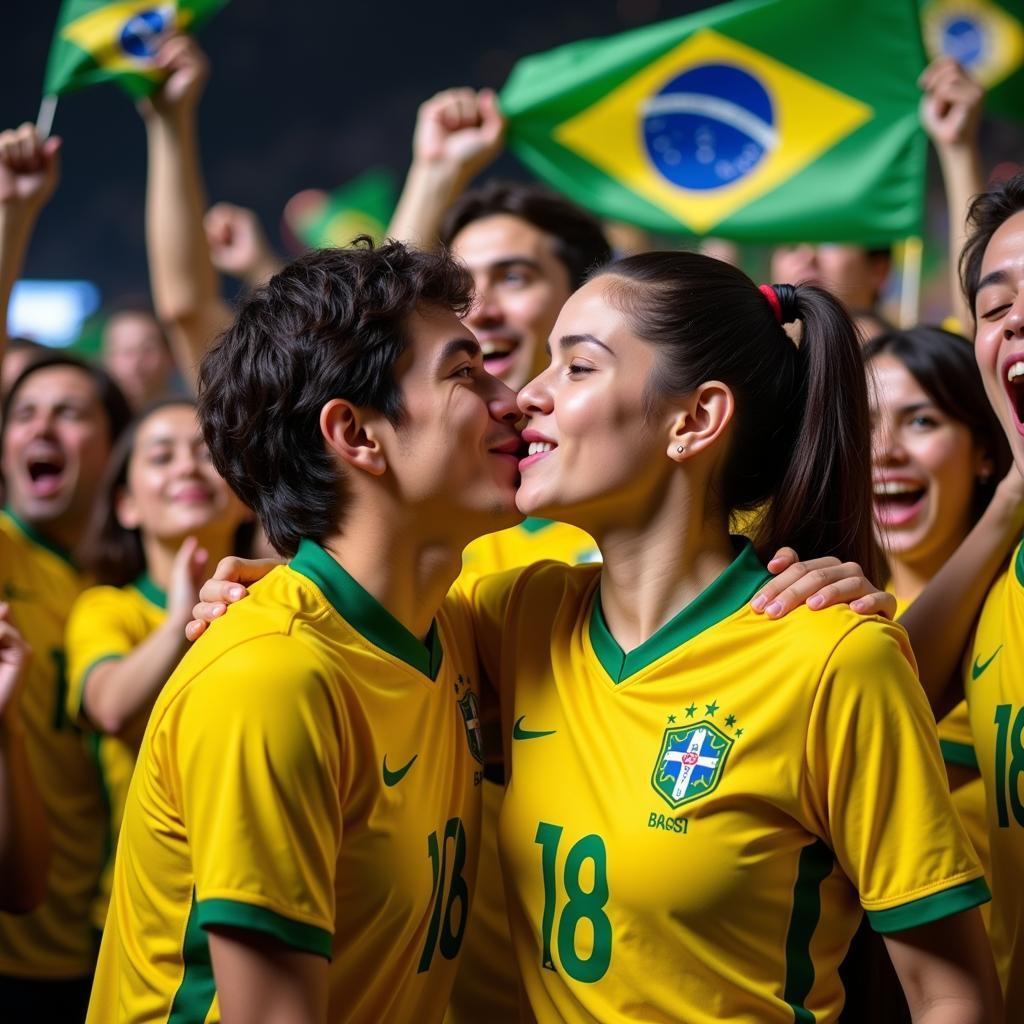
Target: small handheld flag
[102, 41]
[752, 120]
[361, 207]
[987, 38]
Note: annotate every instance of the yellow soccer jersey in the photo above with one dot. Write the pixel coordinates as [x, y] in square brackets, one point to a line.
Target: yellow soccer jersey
[533, 540]
[310, 771]
[40, 583]
[106, 623]
[691, 829]
[994, 684]
[487, 986]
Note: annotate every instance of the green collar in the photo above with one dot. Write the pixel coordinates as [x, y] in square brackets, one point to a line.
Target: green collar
[150, 591]
[725, 595]
[1018, 563]
[365, 613]
[38, 539]
[533, 525]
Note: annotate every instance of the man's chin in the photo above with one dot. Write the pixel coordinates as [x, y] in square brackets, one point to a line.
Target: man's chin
[39, 511]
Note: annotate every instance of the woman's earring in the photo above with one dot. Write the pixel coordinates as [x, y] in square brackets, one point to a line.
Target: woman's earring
[681, 449]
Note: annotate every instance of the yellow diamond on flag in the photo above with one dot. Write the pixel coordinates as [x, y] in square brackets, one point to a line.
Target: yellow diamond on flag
[710, 127]
[125, 36]
[983, 37]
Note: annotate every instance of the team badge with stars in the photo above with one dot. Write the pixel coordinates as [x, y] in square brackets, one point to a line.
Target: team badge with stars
[691, 761]
[469, 705]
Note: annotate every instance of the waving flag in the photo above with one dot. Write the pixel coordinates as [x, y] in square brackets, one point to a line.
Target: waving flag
[99, 41]
[987, 38]
[361, 207]
[754, 120]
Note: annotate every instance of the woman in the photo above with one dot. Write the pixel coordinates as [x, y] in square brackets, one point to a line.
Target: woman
[166, 512]
[669, 713]
[699, 796]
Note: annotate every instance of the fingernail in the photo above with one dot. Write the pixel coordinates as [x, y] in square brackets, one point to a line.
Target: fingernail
[759, 602]
[815, 602]
[857, 605]
[773, 609]
[236, 592]
[218, 609]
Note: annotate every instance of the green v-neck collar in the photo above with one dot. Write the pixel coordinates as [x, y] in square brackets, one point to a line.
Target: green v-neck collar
[150, 591]
[364, 613]
[725, 595]
[39, 540]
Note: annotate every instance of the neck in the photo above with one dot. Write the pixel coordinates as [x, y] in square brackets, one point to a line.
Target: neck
[655, 567]
[160, 554]
[392, 558]
[910, 576]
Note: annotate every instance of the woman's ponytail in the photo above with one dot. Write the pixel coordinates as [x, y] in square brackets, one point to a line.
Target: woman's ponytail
[822, 503]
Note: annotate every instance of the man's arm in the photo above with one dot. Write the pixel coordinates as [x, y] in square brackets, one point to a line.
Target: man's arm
[951, 115]
[238, 245]
[940, 620]
[458, 133]
[261, 981]
[186, 289]
[24, 833]
[29, 171]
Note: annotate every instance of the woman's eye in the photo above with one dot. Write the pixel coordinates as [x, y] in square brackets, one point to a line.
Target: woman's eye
[996, 312]
[576, 368]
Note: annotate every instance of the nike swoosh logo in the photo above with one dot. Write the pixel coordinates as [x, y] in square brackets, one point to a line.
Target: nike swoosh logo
[519, 733]
[394, 778]
[978, 667]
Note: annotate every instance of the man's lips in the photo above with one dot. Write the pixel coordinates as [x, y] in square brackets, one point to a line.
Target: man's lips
[1013, 385]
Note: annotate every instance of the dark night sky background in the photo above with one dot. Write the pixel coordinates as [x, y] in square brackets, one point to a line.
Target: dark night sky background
[304, 94]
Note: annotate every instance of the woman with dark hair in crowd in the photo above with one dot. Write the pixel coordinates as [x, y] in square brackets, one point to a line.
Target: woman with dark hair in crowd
[165, 515]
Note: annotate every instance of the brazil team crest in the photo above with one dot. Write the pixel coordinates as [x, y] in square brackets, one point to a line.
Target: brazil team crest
[470, 708]
[691, 762]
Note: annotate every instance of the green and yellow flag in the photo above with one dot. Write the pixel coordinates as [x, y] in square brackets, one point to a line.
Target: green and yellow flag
[987, 38]
[363, 206]
[99, 41]
[758, 121]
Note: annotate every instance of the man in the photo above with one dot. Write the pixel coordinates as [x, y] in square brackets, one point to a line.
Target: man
[60, 419]
[135, 353]
[300, 839]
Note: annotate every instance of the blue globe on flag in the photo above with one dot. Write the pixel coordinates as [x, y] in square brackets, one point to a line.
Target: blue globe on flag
[964, 39]
[142, 32]
[709, 127]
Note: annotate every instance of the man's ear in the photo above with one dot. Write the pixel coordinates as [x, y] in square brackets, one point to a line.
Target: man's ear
[350, 433]
[695, 426]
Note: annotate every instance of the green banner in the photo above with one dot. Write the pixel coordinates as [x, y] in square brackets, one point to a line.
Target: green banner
[758, 121]
[99, 41]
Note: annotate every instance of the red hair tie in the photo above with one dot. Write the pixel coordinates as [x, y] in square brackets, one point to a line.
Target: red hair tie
[773, 300]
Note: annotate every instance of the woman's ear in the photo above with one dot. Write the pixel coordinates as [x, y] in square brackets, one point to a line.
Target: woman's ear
[126, 510]
[706, 413]
[350, 433]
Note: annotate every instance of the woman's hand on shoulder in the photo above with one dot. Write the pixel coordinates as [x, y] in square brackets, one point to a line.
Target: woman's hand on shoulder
[227, 586]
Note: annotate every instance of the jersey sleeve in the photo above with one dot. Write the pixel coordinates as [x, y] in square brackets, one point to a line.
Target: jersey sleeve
[879, 787]
[257, 745]
[98, 631]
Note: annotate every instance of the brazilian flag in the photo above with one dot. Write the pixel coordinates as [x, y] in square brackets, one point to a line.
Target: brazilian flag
[987, 38]
[99, 41]
[759, 121]
[361, 207]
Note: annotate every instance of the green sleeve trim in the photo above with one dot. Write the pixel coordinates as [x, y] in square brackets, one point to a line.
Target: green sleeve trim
[930, 908]
[959, 753]
[235, 914]
[79, 708]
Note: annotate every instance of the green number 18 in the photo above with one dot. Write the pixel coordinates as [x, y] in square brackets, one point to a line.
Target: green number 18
[581, 905]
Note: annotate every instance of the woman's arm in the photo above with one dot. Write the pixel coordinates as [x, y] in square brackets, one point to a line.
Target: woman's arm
[940, 620]
[947, 972]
